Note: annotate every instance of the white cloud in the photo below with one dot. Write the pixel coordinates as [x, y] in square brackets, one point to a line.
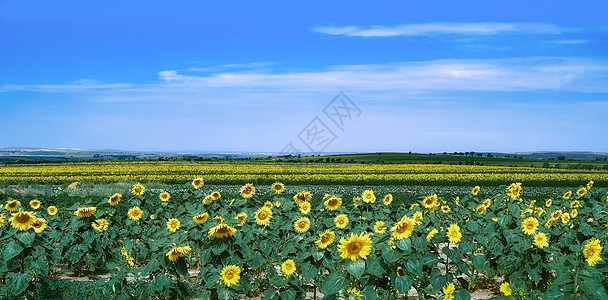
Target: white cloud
[423, 29]
[75, 86]
[569, 42]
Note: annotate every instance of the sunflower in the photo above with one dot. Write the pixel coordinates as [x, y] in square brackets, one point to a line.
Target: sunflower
[200, 218]
[454, 234]
[12, 205]
[481, 209]
[100, 225]
[138, 190]
[208, 199]
[277, 187]
[529, 225]
[288, 267]
[539, 211]
[431, 234]
[263, 216]
[403, 229]
[567, 195]
[556, 214]
[231, 275]
[548, 203]
[414, 205]
[39, 225]
[177, 252]
[173, 225]
[574, 213]
[457, 201]
[51, 210]
[379, 227]
[135, 213]
[219, 219]
[22, 220]
[35, 204]
[333, 203]
[356, 200]
[445, 209]
[164, 196]
[341, 221]
[197, 183]
[487, 202]
[505, 289]
[549, 223]
[368, 196]
[581, 192]
[114, 199]
[448, 291]
[353, 293]
[590, 185]
[592, 251]
[247, 191]
[221, 231]
[356, 246]
[305, 207]
[299, 197]
[302, 225]
[430, 202]
[325, 239]
[575, 204]
[268, 205]
[540, 240]
[1, 222]
[85, 212]
[565, 218]
[514, 190]
[242, 217]
[388, 199]
[475, 190]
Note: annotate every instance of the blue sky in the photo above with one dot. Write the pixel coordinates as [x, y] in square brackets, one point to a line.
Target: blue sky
[498, 76]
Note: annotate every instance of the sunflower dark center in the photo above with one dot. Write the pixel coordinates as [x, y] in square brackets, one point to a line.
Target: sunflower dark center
[354, 248]
[23, 218]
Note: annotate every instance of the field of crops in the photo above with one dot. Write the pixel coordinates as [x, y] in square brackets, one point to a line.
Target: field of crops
[267, 173]
[263, 241]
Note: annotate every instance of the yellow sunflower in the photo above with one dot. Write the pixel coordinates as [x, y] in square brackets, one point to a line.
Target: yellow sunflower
[403, 229]
[177, 252]
[454, 234]
[565, 218]
[574, 213]
[22, 220]
[356, 200]
[575, 204]
[85, 212]
[299, 197]
[581, 192]
[448, 291]
[368, 196]
[302, 225]
[475, 190]
[135, 213]
[590, 185]
[221, 231]
[548, 203]
[247, 191]
[529, 225]
[341, 221]
[35, 204]
[200, 218]
[288, 267]
[173, 225]
[278, 187]
[567, 195]
[388, 199]
[592, 251]
[540, 240]
[51, 210]
[12, 205]
[164, 196]
[138, 190]
[431, 234]
[242, 217]
[305, 207]
[445, 209]
[481, 209]
[333, 203]
[100, 225]
[457, 201]
[268, 205]
[114, 199]
[418, 217]
[39, 225]
[325, 239]
[216, 195]
[487, 202]
[556, 214]
[197, 183]
[514, 190]
[356, 246]
[231, 275]
[379, 227]
[430, 202]
[505, 289]
[1, 222]
[208, 199]
[263, 216]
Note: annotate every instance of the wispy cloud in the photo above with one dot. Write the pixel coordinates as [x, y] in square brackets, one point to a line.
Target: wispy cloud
[569, 42]
[75, 86]
[425, 29]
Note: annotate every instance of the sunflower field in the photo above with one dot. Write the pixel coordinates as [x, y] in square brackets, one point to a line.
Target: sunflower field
[201, 244]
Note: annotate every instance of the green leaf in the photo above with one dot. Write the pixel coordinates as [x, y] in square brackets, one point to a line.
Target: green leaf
[403, 283]
[309, 271]
[591, 286]
[288, 294]
[17, 282]
[11, 250]
[317, 254]
[374, 267]
[256, 260]
[391, 256]
[218, 247]
[404, 244]
[462, 295]
[356, 267]
[478, 262]
[369, 293]
[27, 238]
[334, 283]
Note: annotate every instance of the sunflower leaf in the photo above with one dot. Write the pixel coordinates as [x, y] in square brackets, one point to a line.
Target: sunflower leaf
[11, 250]
[27, 238]
[355, 267]
[334, 283]
[403, 283]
